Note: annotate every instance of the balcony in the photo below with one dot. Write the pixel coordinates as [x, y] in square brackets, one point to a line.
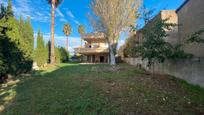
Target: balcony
[91, 50]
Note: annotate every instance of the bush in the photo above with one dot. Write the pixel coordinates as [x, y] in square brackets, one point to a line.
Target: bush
[64, 55]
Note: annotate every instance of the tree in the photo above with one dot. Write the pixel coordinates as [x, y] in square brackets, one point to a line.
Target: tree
[9, 10]
[81, 31]
[58, 55]
[12, 50]
[115, 16]
[67, 31]
[40, 56]
[3, 65]
[154, 46]
[131, 47]
[48, 48]
[26, 36]
[29, 36]
[63, 55]
[54, 4]
[2, 11]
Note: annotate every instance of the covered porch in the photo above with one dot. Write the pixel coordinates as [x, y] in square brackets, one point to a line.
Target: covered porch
[96, 58]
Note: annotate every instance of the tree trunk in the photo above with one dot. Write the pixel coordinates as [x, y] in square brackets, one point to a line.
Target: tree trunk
[81, 42]
[52, 58]
[112, 55]
[67, 44]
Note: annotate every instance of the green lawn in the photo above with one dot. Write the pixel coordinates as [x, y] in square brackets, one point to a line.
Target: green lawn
[73, 89]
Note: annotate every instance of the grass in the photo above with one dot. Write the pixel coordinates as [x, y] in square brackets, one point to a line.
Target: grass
[73, 89]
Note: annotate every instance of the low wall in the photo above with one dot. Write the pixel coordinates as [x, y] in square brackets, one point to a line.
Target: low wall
[191, 70]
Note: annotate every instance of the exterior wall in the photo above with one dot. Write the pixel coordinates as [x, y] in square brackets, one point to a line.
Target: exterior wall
[173, 18]
[96, 44]
[100, 44]
[191, 19]
[189, 70]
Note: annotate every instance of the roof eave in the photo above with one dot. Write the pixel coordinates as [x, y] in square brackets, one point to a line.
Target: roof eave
[186, 1]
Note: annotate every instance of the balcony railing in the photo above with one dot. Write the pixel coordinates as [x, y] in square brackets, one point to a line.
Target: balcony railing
[91, 50]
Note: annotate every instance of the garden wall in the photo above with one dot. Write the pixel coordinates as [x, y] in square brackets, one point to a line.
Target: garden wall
[191, 70]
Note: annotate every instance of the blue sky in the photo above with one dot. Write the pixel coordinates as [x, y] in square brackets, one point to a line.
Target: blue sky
[73, 12]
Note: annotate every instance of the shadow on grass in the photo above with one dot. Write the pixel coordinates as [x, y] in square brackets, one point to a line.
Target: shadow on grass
[54, 91]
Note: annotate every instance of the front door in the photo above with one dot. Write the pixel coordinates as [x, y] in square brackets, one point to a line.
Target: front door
[101, 59]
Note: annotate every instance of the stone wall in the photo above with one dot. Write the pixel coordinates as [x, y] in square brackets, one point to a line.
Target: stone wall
[191, 70]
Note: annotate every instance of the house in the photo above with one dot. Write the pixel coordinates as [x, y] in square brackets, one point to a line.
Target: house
[95, 49]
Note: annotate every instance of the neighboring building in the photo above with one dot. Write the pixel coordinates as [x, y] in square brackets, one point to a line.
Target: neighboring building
[191, 19]
[172, 34]
[95, 49]
[172, 18]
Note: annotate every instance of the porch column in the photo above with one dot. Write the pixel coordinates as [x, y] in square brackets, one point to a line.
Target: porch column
[91, 59]
[108, 59]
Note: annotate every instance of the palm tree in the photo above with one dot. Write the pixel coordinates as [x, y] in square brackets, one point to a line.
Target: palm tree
[54, 4]
[81, 31]
[67, 31]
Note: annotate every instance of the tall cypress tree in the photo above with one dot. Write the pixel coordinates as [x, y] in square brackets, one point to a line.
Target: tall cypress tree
[57, 55]
[30, 32]
[12, 50]
[48, 49]
[9, 10]
[40, 55]
[2, 11]
[27, 36]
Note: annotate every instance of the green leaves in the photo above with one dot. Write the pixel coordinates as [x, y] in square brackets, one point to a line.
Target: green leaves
[67, 29]
[155, 47]
[40, 53]
[61, 55]
[15, 54]
[196, 37]
[81, 29]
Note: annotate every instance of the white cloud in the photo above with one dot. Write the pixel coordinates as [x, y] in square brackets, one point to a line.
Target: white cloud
[30, 8]
[63, 20]
[76, 22]
[70, 14]
[61, 15]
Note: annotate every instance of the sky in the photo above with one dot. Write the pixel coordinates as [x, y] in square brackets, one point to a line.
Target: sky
[73, 12]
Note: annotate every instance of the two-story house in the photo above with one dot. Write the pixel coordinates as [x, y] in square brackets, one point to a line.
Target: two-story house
[95, 49]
